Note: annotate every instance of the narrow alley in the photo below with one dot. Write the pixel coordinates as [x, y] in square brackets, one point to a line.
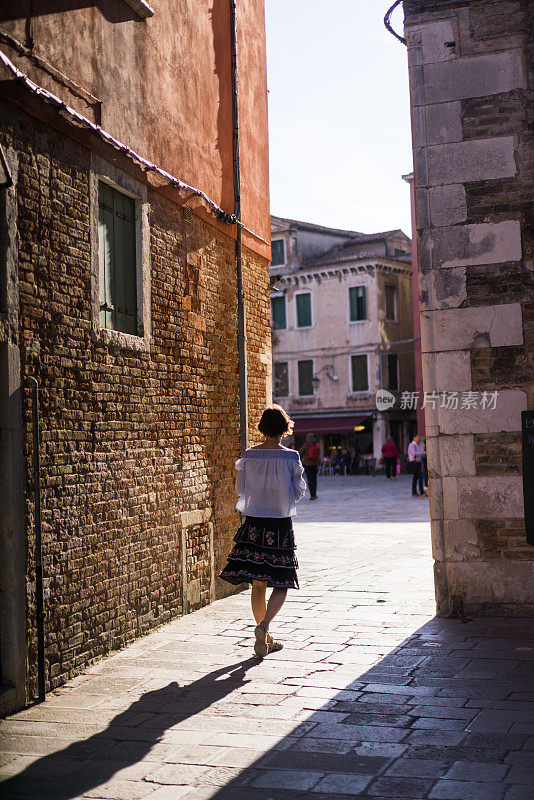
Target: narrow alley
[372, 696]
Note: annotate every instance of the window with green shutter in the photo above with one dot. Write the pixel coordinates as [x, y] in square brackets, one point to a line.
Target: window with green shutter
[117, 260]
[305, 372]
[304, 315]
[360, 380]
[278, 313]
[358, 309]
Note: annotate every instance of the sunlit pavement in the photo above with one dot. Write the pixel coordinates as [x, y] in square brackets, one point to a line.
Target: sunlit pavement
[371, 696]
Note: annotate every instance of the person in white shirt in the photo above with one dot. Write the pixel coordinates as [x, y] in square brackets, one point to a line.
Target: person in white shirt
[269, 484]
[415, 456]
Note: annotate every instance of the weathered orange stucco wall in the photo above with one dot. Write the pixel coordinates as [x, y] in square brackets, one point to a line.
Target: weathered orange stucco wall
[164, 84]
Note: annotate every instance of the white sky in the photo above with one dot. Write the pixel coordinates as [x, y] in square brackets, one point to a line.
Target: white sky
[339, 114]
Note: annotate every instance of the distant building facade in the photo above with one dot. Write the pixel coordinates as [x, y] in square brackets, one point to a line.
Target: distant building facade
[119, 293]
[342, 327]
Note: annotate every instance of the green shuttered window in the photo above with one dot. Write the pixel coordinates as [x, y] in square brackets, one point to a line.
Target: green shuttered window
[117, 260]
[304, 317]
[305, 371]
[358, 310]
[278, 313]
[360, 381]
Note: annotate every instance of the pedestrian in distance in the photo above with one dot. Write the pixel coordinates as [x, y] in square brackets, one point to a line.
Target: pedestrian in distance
[346, 461]
[269, 483]
[390, 455]
[310, 454]
[415, 462]
[337, 465]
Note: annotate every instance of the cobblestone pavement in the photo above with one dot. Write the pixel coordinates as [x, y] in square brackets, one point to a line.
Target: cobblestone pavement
[371, 697]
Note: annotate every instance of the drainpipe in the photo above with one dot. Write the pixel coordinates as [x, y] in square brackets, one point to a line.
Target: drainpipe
[241, 315]
[39, 593]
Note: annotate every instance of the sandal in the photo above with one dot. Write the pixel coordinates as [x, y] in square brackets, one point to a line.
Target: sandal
[261, 648]
[274, 647]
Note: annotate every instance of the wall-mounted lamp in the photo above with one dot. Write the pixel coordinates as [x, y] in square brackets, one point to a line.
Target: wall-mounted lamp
[331, 374]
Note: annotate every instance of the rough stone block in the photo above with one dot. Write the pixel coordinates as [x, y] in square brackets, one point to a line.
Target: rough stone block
[469, 328]
[432, 449]
[422, 208]
[447, 205]
[442, 123]
[436, 530]
[477, 76]
[435, 498]
[435, 123]
[485, 498]
[460, 540]
[450, 498]
[476, 160]
[415, 72]
[457, 455]
[469, 245]
[446, 372]
[428, 42]
[505, 417]
[491, 583]
[442, 289]
[420, 167]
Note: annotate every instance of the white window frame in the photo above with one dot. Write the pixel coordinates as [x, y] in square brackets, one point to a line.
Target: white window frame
[352, 389]
[358, 286]
[283, 262]
[313, 375]
[304, 327]
[102, 170]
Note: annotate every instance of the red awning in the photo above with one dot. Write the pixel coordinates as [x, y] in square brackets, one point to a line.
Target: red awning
[328, 424]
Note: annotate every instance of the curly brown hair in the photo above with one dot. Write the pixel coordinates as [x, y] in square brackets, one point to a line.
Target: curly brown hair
[275, 422]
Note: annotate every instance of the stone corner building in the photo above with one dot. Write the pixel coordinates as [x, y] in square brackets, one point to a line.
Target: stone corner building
[471, 84]
[119, 294]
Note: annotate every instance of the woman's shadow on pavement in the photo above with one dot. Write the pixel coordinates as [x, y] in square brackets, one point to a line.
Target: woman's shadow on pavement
[86, 764]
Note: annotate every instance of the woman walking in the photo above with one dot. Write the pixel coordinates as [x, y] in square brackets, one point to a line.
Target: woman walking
[269, 484]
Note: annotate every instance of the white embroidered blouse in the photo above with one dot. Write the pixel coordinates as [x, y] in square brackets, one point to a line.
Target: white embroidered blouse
[269, 482]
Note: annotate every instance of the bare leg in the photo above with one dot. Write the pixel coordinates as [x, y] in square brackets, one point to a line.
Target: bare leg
[259, 603]
[257, 600]
[276, 601]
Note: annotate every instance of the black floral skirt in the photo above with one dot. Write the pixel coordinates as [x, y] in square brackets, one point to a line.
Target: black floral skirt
[264, 550]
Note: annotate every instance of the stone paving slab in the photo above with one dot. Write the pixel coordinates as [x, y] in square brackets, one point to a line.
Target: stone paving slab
[371, 697]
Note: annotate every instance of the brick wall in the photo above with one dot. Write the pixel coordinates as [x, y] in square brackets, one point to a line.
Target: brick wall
[471, 82]
[138, 448]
